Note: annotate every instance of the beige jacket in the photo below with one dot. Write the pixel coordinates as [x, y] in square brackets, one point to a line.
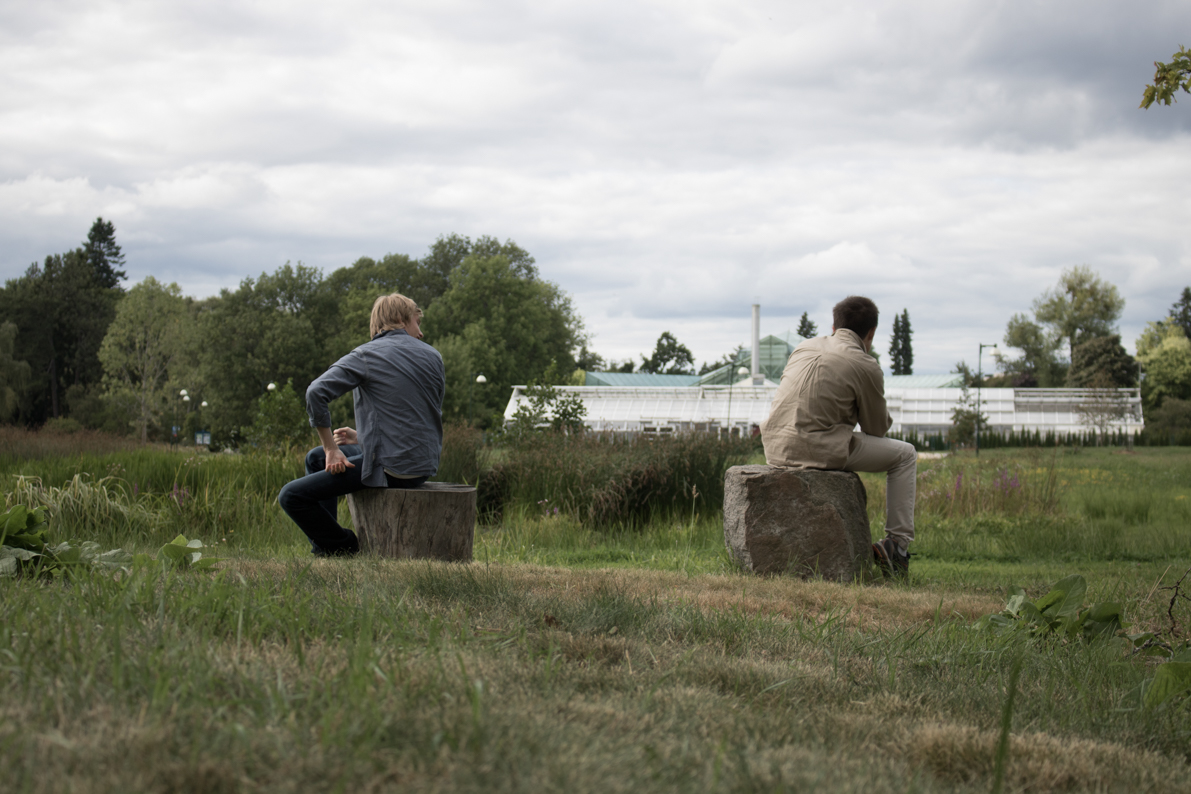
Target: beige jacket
[830, 385]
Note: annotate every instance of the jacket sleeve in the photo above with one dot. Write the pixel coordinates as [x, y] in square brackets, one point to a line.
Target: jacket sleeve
[341, 377]
[874, 413]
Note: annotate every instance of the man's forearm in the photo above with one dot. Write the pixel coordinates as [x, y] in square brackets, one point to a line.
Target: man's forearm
[327, 438]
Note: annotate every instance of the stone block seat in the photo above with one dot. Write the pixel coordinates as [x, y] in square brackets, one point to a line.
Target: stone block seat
[805, 522]
[436, 520]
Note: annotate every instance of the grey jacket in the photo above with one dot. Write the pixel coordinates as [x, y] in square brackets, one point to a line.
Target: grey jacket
[830, 384]
[399, 383]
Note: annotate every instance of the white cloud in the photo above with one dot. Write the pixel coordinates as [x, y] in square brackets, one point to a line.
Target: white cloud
[666, 162]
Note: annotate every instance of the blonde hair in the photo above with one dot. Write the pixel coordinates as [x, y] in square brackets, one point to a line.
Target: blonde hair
[391, 312]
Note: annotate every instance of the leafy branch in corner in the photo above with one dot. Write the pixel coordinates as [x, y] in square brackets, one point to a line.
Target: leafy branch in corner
[1168, 79]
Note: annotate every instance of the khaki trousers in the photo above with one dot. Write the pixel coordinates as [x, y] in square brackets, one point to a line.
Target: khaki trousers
[900, 460]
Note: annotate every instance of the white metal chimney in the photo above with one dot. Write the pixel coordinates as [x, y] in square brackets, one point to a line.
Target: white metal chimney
[758, 379]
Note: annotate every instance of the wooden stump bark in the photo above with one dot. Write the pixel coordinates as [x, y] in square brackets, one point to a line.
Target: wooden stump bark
[435, 520]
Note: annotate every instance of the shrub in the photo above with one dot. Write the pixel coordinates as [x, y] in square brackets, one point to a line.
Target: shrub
[63, 425]
[281, 421]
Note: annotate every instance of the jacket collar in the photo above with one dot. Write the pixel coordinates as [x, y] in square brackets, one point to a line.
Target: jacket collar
[847, 335]
[392, 332]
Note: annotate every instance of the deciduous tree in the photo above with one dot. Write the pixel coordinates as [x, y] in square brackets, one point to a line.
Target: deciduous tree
[141, 344]
[1039, 363]
[61, 312]
[1102, 362]
[499, 318]
[1165, 354]
[269, 330]
[14, 374]
[1081, 306]
[670, 357]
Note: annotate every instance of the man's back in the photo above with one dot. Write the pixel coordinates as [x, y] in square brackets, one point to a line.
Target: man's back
[830, 384]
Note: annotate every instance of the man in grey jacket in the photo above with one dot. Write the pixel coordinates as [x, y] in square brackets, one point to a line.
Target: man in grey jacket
[829, 386]
[398, 382]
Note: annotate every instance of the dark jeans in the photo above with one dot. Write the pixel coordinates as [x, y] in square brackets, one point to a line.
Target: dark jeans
[313, 501]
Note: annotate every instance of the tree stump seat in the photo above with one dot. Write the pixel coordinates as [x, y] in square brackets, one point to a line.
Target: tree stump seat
[436, 520]
[807, 522]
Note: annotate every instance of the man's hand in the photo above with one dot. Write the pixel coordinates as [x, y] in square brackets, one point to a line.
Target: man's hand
[346, 435]
[337, 462]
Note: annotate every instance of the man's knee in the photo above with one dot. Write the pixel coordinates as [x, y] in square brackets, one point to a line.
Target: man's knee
[316, 460]
[907, 455]
[289, 497]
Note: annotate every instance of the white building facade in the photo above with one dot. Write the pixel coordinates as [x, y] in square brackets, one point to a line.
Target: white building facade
[924, 411]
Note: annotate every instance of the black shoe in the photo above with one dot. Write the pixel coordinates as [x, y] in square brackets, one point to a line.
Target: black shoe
[348, 550]
[894, 562]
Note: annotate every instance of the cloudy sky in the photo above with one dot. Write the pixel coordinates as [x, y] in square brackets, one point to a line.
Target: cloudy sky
[667, 163]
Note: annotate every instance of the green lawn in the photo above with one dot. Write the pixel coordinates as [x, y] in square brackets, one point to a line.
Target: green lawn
[567, 659]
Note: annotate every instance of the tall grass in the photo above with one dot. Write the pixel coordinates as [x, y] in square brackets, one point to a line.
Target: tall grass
[606, 482]
[18, 444]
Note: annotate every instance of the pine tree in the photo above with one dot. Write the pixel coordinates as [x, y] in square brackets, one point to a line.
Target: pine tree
[103, 253]
[895, 345]
[1181, 311]
[807, 329]
[907, 363]
[901, 350]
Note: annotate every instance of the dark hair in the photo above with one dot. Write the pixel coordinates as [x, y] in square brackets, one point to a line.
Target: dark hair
[856, 313]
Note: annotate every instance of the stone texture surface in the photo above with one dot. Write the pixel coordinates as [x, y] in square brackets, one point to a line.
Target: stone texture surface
[435, 520]
[801, 521]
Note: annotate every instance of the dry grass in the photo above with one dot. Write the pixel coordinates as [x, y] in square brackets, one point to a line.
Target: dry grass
[377, 675]
[857, 605]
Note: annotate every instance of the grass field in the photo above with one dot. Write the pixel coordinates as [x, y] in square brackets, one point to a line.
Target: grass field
[569, 659]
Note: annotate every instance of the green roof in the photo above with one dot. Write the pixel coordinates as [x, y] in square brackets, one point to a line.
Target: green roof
[774, 352]
[634, 379]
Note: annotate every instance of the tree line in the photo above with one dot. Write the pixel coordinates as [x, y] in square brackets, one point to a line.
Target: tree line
[1070, 339]
[671, 357]
[77, 347]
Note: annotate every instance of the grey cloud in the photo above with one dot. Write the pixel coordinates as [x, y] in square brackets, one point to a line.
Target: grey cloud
[665, 162]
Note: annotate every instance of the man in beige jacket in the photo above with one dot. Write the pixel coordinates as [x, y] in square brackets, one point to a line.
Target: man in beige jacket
[829, 386]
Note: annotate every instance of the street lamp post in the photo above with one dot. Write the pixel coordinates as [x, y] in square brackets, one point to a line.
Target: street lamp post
[740, 373]
[979, 383]
[480, 379]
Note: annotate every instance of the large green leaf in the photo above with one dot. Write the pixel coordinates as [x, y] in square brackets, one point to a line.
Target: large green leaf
[9, 552]
[1065, 598]
[1017, 597]
[1104, 619]
[1171, 679]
